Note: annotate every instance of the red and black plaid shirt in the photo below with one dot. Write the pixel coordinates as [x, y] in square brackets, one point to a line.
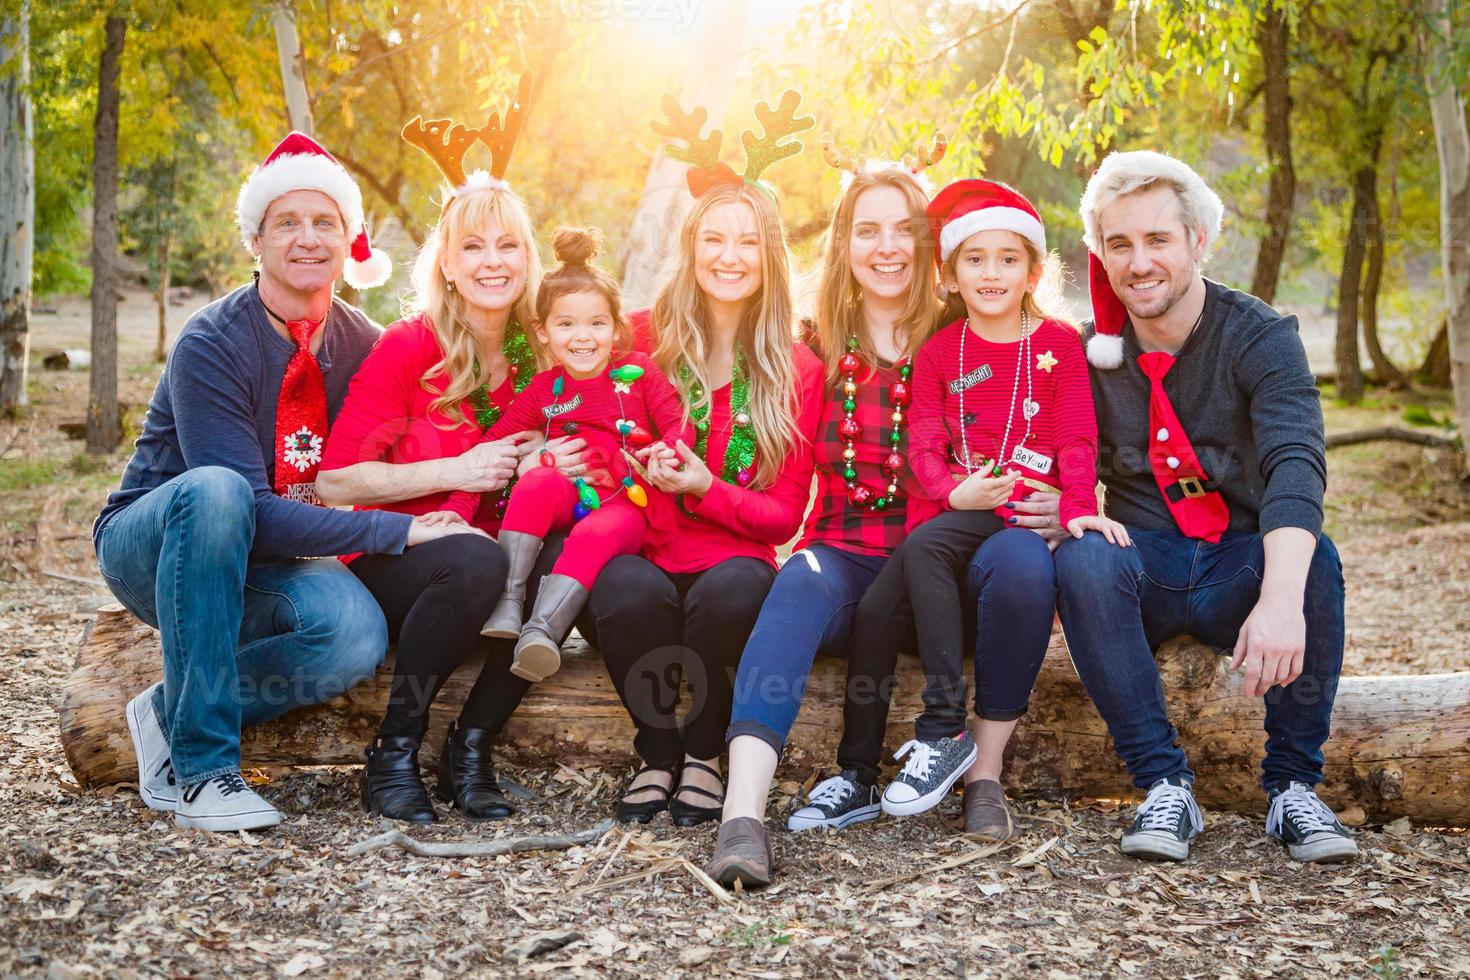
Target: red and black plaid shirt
[832, 520]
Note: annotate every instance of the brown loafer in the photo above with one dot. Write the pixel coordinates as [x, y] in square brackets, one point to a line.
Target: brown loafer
[742, 853]
[986, 814]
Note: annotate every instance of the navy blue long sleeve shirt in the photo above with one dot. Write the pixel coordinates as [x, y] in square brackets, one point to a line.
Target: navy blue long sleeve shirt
[215, 405]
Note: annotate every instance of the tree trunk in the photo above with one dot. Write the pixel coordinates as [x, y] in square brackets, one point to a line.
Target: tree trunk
[1435, 371]
[1447, 108]
[165, 272]
[17, 209]
[1384, 372]
[104, 427]
[1400, 745]
[709, 82]
[1273, 35]
[293, 68]
[1348, 360]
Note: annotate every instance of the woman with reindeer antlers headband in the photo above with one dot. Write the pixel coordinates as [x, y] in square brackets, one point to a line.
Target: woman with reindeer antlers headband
[876, 306]
[409, 436]
[722, 330]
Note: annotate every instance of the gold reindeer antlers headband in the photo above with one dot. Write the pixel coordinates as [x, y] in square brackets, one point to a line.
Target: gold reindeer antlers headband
[703, 153]
[915, 163]
[446, 142]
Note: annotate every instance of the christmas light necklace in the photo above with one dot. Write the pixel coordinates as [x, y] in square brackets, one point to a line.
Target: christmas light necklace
[588, 500]
[860, 494]
[1023, 358]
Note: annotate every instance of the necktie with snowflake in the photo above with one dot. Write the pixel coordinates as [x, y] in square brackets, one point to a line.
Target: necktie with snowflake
[301, 419]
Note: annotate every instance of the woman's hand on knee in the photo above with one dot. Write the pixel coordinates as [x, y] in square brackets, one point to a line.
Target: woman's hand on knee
[439, 524]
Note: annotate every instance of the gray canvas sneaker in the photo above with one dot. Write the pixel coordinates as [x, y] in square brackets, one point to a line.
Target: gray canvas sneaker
[932, 769]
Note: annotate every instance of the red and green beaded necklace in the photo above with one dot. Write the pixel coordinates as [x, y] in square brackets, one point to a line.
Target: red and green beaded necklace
[738, 466]
[860, 494]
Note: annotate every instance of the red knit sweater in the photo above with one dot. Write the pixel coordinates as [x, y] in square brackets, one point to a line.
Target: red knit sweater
[732, 521]
[1062, 443]
[589, 409]
[386, 417]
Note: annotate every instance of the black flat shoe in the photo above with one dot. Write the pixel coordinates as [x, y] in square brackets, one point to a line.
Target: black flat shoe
[644, 812]
[391, 785]
[467, 777]
[688, 814]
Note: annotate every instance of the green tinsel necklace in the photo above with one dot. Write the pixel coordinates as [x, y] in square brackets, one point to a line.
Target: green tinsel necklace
[738, 466]
[517, 351]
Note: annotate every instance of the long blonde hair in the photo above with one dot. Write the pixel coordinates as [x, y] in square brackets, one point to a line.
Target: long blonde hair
[839, 297]
[460, 372]
[765, 336]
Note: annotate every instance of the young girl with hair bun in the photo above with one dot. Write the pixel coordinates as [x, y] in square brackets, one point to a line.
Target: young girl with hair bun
[616, 400]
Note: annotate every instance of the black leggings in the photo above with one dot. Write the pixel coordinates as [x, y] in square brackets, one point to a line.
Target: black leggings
[655, 628]
[436, 596]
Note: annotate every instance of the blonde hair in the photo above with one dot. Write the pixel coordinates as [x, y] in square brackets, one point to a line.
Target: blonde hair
[460, 371]
[765, 337]
[839, 297]
[1046, 301]
[1136, 171]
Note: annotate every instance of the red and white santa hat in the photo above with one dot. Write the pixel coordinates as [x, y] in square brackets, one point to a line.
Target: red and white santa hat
[969, 206]
[299, 163]
[1125, 172]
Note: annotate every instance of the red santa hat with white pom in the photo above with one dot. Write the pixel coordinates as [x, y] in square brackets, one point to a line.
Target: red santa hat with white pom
[1125, 173]
[968, 207]
[299, 163]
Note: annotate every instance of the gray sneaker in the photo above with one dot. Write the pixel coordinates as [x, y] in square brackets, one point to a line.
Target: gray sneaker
[224, 803]
[1307, 826]
[932, 769]
[1167, 820]
[155, 767]
[837, 802]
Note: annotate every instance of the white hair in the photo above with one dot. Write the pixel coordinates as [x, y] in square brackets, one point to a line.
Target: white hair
[1121, 174]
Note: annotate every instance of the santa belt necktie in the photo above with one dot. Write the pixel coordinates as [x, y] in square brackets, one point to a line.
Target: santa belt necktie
[301, 418]
[1191, 495]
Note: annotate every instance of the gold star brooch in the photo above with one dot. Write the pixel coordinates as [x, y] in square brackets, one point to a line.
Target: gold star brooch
[1045, 362]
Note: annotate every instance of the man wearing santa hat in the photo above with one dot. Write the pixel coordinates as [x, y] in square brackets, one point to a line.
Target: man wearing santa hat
[210, 533]
[1212, 453]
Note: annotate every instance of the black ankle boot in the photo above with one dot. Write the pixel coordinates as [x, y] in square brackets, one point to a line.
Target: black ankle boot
[467, 775]
[391, 784]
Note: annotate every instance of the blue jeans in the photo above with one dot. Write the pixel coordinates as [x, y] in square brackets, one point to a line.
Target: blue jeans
[243, 641]
[809, 609]
[1119, 604]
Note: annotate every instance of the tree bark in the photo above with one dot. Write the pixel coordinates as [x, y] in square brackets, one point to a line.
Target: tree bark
[165, 270]
[104, 426]
[1435, 371]
[1347, 357]
[1400, 745]
[709, 82]
[293, 68]
[1447, 109]
[1384, 372]
[17, 209]
[1273, 35]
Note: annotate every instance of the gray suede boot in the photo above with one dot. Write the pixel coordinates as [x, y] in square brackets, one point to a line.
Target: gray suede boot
[522, 550]
[538, 653]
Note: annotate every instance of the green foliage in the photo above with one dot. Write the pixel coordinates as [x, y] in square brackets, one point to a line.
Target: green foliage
[1386, 963]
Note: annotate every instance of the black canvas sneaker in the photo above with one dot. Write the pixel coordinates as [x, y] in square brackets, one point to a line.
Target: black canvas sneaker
[932, 769]
[1307, 826]
[1167, 820]
[837, 802]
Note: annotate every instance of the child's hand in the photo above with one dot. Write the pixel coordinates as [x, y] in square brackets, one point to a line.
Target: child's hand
[981, 491]
[679, 471]
[1115, 533]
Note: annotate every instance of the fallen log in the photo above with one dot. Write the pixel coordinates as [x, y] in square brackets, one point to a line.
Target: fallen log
[1400, 745]
[1389, 433]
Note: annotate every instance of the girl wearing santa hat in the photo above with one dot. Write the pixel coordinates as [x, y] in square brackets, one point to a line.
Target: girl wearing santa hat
[1002, 409]
[875, 307]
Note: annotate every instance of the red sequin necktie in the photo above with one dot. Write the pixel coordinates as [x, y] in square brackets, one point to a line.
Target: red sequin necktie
[301, 419]
[1195, 504]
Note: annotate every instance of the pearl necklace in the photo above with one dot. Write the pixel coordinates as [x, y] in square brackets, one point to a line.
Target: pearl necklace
[860, 494]
[1023, 358]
